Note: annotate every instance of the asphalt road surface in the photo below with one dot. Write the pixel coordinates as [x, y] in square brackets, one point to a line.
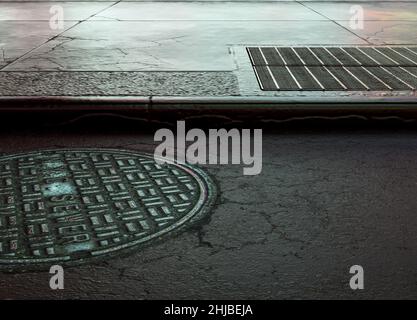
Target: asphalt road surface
[329, 197]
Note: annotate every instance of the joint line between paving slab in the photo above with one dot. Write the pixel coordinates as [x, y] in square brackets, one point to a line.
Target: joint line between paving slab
[58, 35]
[334, 21]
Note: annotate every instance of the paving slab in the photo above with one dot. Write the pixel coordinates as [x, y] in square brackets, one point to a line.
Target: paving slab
[387, 32]
[20, 37]
[27, 11]
[372, 11]
[167, 46]
[208, 11]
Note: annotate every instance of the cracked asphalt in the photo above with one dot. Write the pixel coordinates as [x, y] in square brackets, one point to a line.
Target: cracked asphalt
[326, 199]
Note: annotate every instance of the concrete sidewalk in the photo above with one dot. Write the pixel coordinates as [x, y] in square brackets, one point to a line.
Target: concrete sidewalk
[176, 50]
[166, 55]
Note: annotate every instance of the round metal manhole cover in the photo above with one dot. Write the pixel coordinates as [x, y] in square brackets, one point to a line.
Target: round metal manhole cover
[74, 206]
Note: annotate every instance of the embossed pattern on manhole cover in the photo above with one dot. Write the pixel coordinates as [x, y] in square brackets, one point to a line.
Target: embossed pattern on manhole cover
[74, 206]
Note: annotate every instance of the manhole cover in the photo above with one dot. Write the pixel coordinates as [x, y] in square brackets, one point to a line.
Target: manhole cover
[335, 68]
[75, 206]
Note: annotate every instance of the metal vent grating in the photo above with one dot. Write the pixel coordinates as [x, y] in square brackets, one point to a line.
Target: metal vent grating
[335, 68]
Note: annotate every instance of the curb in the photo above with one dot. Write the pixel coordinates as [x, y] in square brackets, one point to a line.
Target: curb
[230, 105]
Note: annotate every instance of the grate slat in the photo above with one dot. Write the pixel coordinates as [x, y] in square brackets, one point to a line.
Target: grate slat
[326, 78]
[412, 70]
[409, 56]
[412, 50]
[367, 77]
[394, 56]
[284, 78]
[347, 79]
[308, 57]
[265, 78]
[407, 53]
[389, 78]
[325, 56]
[343, 57]
[364, 59]
[305, 79]
[290, 57]
[380, 58]
[256, 56]
[404, 74]
[335, 68]
[272, 57]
